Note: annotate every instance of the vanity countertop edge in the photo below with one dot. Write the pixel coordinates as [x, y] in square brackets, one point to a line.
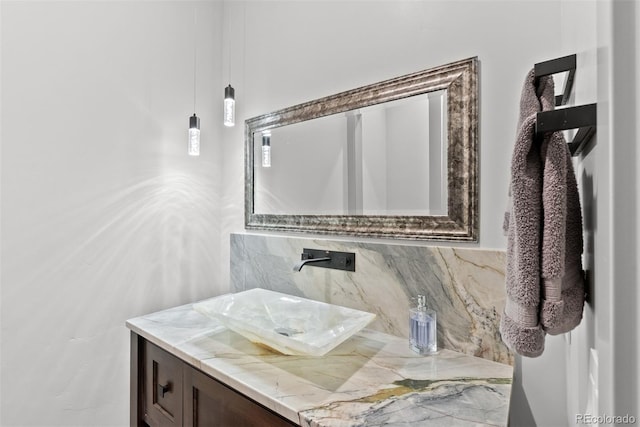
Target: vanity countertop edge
[373, 378]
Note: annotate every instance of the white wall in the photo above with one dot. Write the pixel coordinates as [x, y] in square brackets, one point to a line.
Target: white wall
[104, 216]
[624, 199]
[583, 351]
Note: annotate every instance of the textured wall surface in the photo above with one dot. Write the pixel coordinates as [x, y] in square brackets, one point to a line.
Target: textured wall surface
[104, 215]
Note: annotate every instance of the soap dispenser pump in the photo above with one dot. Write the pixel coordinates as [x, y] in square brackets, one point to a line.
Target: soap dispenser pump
[422, 324]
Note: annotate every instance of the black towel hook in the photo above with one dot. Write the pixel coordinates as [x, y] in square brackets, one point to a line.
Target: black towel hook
[555, 66]
[583, 117]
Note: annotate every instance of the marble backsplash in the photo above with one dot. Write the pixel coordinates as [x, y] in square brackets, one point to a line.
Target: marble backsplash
[464, 286]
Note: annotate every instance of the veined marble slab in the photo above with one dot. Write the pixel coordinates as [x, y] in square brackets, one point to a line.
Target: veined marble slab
[464, 286]
[372, 379]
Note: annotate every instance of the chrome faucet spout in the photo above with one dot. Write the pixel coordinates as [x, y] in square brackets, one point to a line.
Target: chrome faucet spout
[302, 263]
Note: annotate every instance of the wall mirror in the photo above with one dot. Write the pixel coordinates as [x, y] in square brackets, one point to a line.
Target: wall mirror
[395, 159]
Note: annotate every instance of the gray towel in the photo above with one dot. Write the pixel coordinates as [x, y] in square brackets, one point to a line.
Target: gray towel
[544, 278]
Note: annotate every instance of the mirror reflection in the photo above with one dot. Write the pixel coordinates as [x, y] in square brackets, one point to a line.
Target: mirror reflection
[384, 159]
[395, 159]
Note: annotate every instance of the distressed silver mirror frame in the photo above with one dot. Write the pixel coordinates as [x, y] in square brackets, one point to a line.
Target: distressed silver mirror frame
[461, 222]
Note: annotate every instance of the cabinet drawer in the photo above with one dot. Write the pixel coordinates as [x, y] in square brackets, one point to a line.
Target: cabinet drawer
[209, 403]
[166, 391]
[162, 388]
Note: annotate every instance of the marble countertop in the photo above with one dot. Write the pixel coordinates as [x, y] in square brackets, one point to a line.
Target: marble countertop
[372, 379]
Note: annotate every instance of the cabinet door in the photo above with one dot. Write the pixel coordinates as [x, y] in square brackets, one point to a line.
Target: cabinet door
[163, 384]
[208, 402]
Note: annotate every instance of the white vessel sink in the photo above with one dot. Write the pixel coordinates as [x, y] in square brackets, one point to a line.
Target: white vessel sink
[288, 324]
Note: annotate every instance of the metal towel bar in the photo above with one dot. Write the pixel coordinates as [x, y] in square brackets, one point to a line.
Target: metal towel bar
[582, 117]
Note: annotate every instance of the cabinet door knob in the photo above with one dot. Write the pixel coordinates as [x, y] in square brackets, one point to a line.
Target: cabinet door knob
[163, 389]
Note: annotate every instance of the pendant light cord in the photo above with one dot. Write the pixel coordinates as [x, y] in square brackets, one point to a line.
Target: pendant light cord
[195, 56]
[244, 41]
[228, 32]
[229, 53]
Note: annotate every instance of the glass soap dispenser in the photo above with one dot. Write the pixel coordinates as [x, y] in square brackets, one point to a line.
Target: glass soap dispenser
[422, 325]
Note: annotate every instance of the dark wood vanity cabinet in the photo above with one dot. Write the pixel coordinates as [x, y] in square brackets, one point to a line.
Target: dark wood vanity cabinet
[166, 391]
[162, 387]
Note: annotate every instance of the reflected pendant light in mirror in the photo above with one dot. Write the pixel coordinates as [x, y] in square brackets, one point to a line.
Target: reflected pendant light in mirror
[266, 149]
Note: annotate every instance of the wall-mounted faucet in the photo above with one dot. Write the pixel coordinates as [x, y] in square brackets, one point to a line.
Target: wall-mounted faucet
[327, 259]
[302, 263]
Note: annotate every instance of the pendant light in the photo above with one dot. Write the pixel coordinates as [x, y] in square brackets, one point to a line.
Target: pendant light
[229, 105]
[194, 135]
[193, 144]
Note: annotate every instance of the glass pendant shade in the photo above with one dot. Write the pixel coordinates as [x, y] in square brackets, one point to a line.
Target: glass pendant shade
[229, 106]
[194, 136]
